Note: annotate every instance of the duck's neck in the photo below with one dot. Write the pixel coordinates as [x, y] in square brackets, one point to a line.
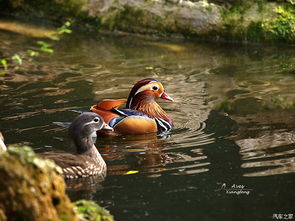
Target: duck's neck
[85, 146]
[149, 106]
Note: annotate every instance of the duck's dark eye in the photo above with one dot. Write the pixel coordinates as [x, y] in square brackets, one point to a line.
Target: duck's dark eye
[155, 88]
[95, 119]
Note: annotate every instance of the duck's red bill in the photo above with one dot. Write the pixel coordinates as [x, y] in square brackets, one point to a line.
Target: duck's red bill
[166, 97]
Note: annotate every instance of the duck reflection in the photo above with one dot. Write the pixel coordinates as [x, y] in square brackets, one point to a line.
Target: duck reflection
[137, 154]
[144, 152]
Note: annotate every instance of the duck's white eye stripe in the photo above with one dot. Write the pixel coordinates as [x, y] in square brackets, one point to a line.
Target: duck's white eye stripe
[146, 87]
[94, 121]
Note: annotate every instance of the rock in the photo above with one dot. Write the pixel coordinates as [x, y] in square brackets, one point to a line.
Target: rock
[31, 188]
[158, 17]
[234, 20]
[243, 21]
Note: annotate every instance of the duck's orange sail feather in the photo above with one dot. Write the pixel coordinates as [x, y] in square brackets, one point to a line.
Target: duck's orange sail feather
[109, 104]
[104, 107]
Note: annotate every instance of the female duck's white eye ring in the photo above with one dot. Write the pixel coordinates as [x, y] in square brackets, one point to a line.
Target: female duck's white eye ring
[96, 119]
[155, 88]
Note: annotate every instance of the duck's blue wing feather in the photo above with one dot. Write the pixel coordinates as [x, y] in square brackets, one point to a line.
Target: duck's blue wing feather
[129, 112]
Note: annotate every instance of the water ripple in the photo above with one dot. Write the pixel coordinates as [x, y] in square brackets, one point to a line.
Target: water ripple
[269, 154]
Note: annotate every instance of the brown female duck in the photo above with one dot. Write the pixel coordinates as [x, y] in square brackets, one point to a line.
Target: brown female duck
[87, 161]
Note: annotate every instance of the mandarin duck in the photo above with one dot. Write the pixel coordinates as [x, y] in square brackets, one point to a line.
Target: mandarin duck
[87, 161]
[142, 113]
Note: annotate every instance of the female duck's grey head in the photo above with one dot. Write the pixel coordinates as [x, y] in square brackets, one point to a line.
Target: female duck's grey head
[86, 124]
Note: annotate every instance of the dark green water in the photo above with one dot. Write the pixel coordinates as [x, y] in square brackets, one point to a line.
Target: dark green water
[234, 114]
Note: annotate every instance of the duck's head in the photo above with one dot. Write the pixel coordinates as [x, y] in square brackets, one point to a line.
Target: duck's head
[147, 89]
[86, 125]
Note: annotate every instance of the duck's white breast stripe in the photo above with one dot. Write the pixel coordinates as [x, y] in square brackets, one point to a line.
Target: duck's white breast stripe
[164, 125]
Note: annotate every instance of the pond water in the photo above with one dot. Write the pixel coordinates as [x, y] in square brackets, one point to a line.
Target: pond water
[231, 154]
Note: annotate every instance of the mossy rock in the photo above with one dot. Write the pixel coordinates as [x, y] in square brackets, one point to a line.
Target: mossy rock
[260, 21]
[232, 20]
[89, 210]
[31, 188]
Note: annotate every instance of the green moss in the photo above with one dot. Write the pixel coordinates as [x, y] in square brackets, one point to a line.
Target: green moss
[283, 28]
[255, 31]
[132, 19]
[91, 211]
[260, 21]
[28, 156]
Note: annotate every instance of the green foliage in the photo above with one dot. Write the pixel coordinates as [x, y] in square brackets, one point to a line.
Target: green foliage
[30, 54]
[255, 31]
[91, 211]
[17, 58]
[258, 21]
[64, 29]
[283, 28]
[45, 47]
[3, 62]
[54, 38]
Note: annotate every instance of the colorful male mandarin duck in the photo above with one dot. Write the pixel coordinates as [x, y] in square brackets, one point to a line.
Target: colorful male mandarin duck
[142, 114]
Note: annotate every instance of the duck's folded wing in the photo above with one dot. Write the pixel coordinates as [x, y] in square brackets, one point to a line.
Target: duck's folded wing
[73, 166]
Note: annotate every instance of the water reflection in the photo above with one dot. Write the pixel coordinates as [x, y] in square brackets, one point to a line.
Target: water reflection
[152, 154]
[267, 149]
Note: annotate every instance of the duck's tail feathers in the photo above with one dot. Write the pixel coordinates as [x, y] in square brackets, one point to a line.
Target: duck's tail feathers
[79, 111]
[62, 124]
